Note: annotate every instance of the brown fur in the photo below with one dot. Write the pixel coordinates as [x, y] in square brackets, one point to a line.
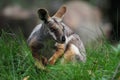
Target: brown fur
[59, 52]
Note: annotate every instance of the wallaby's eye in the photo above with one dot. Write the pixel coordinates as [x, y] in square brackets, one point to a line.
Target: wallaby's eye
[52, 30]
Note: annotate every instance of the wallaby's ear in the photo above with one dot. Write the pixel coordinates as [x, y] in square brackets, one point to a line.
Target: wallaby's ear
[60, 13]
[43, 15]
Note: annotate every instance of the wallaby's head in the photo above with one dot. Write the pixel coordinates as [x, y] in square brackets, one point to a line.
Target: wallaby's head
[54, 25]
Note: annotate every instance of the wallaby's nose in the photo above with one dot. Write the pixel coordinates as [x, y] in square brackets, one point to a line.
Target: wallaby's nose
[63, 39]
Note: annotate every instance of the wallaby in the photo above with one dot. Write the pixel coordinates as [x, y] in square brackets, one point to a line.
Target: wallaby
[66, 41]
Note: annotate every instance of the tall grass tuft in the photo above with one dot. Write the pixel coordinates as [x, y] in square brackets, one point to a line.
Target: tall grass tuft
[16, 62]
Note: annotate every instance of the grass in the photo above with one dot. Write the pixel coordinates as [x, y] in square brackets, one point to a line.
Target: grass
[16, 62]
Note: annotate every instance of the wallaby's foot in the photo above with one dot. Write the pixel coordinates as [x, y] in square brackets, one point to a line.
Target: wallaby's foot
[39, 64]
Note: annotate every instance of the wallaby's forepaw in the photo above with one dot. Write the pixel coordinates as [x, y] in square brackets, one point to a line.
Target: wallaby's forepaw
[52, 60]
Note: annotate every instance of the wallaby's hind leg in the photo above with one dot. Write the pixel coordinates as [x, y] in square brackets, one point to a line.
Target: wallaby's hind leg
[58, 53]
[35, 46]
[72, 54]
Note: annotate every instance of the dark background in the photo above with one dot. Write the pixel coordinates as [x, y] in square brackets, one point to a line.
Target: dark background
[110, 10]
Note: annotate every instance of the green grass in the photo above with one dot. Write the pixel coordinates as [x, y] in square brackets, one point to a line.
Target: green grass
[16, 62]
